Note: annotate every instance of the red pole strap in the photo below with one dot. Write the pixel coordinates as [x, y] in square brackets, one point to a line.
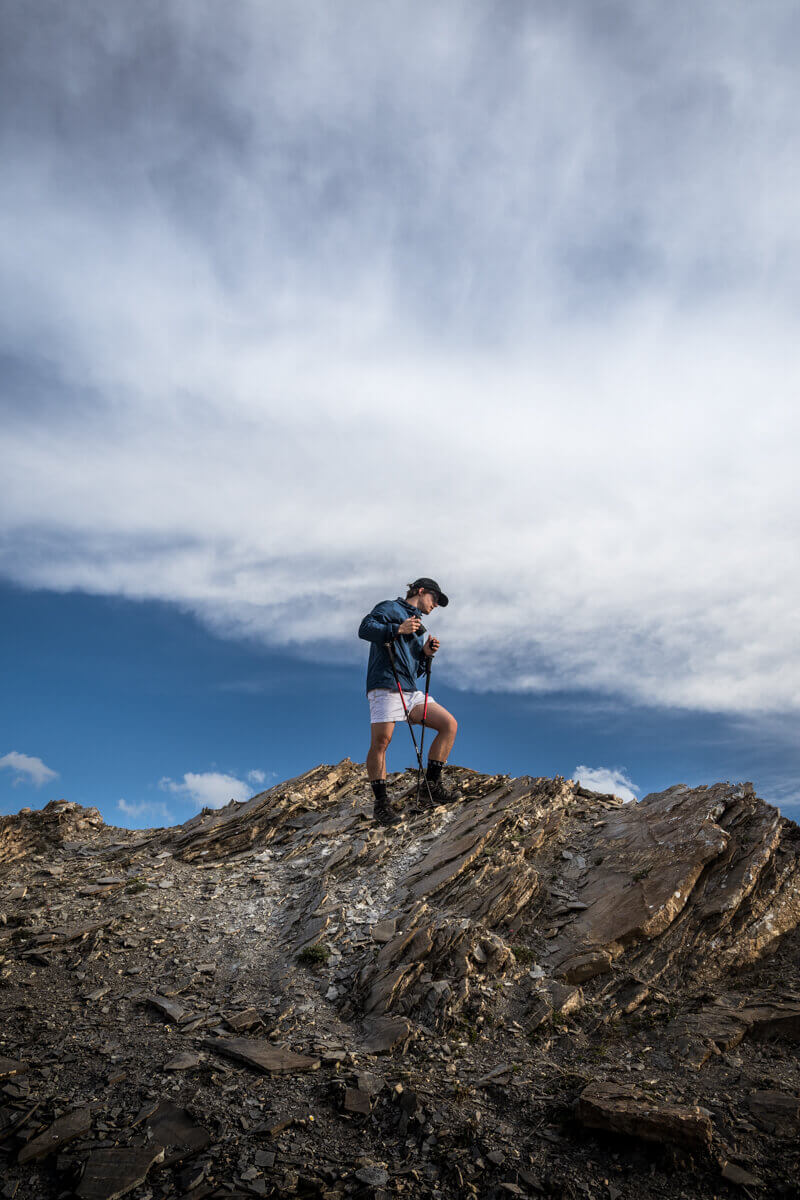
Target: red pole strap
[402, 698]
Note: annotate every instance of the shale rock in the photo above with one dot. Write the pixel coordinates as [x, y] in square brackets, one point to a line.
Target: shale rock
[619, 1109]
[280, 998]
[65, 1130]
[110, 1173]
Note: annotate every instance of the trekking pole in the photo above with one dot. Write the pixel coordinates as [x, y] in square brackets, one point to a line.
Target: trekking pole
[429, 661]
[408, 720]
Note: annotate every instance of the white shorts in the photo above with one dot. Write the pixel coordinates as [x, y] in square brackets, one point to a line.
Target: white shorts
[385, 704]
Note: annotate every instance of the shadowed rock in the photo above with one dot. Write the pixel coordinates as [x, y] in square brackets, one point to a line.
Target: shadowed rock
[776, 1111]
[60, 1133]
[10, 1066]
[618, 1109]
[276, 1060]
[175, 1132]
[110, 1173]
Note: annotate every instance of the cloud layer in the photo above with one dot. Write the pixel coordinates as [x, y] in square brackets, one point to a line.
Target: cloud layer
[138, 811]
[209, 789]
[607, 779]
[27, 768]
[305, 304]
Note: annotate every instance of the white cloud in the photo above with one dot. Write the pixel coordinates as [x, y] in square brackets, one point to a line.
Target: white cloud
[136, 810]
[29, 769]
[526, 289]
[209, 789]
[256, 777]
[606, 779]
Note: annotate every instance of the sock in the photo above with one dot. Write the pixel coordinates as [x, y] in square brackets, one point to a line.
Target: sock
[434, 770]
[379, 790]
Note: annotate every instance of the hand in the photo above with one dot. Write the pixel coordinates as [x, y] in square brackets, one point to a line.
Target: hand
[410, 625]
[431, 646]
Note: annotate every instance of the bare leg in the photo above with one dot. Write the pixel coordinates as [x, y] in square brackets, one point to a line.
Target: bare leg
[443, 722]
[376, 755]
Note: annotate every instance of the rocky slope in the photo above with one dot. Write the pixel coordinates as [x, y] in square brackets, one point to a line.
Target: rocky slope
[542, 991]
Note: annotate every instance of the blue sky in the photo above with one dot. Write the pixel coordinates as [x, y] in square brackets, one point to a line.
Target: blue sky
[137, 708]
[300, 301]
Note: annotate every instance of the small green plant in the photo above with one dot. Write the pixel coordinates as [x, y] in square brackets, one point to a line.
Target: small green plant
[523, 954]
[641, 874]
[314, 956]
[133, 889]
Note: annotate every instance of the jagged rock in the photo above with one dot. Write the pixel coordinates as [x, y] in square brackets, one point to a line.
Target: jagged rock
[629, 995]
[54, 825]
[382, 1034]
[10, 1066]
[384, 931]
[579, 968]
[192, 1176]
[707, 1032]
[498, 1074]
[739, 1175]
[776, 1112]
[187, 1061]
[563, 999]
[243, 1020]
[373, 1176]
[232, 830]
[175, 1131]
[768, 1021]
[168, 1008]
[625, 1110]
[444, 949]
[540, 1011]
[429, 940]
[110, 1173]
[356, 1100]
[716, 1028]
[60, 1133]
[57, 938]
[264, 1055]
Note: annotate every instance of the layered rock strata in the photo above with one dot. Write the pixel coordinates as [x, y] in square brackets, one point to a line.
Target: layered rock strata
[463, 1000]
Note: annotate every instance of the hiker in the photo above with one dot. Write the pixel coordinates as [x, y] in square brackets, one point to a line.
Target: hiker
[398, 622]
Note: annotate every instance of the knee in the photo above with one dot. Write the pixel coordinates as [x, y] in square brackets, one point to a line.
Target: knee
[452, 727]
[380, 742]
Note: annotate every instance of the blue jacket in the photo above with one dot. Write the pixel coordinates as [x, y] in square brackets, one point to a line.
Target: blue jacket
[379, 627]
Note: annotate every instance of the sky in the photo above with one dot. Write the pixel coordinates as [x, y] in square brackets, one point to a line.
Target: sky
[302, 301]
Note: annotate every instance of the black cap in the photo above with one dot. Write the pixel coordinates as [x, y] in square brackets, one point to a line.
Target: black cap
[430, 585]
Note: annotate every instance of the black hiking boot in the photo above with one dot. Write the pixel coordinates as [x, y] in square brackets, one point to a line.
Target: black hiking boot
[440, 794]
[383, 812]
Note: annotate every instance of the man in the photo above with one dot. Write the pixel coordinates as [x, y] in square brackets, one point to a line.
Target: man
[398, 622]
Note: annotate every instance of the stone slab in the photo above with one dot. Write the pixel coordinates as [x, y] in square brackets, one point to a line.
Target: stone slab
[64, 1130]
[110, 1173]
[266, 1056]
[619, 1109]
[384, 1034]
[10, 1066]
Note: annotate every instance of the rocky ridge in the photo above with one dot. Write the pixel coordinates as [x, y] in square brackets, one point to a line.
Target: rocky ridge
[540, 991]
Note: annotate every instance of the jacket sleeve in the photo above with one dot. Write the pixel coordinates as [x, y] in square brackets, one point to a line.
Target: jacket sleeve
[378, 626]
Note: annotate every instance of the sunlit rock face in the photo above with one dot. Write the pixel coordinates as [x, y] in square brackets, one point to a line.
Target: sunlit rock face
[285, 997]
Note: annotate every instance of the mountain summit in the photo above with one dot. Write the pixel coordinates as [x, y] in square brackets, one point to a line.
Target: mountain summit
[544, 991]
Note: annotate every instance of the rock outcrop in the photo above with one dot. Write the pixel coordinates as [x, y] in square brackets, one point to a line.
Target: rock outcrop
[540, 991]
